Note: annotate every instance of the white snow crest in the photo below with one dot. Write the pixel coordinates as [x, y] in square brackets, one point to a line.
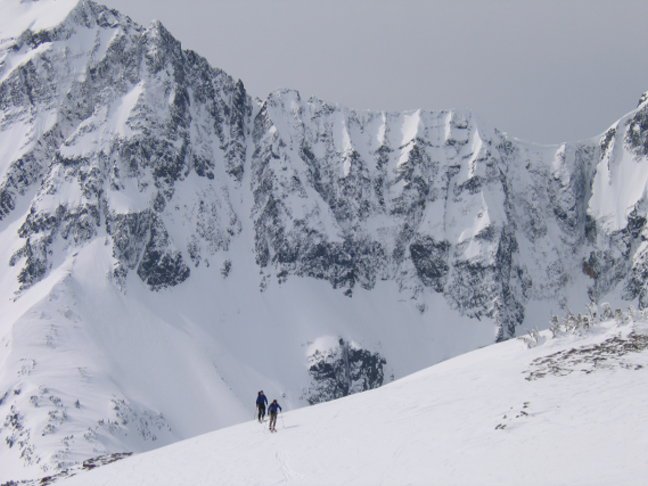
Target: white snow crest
[411, 124]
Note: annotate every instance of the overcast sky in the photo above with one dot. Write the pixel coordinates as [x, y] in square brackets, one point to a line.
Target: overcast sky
[542, 70]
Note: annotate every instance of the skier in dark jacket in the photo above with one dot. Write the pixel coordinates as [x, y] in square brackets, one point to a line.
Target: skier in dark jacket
[261, 403]
[272, 410]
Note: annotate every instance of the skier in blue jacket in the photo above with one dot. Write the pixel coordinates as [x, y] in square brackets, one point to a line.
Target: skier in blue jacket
[261, 403]
[272, 410]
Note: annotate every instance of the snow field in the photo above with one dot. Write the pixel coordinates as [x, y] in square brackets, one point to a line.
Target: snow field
[474, 419]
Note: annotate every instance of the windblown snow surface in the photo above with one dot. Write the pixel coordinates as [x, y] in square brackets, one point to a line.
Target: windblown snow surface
[571, 410]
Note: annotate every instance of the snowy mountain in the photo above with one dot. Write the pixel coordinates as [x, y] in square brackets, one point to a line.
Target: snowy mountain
[170, 245]
[570, 410]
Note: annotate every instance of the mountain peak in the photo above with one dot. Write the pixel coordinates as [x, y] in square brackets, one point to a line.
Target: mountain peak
[643, 98]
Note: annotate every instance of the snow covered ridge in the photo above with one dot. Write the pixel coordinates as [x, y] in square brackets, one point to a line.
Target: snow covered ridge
[483, 418]
[110, 130]
[128, 137]
[169, 245]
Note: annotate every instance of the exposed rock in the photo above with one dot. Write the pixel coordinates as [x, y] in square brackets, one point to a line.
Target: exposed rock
[343, 370]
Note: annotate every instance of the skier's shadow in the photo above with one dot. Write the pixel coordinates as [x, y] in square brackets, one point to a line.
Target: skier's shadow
[291, 426]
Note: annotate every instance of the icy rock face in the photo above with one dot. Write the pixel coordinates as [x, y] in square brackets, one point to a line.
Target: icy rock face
[107, 109]
[416, 197]
[343, 370]
[618, 207]
[435, 201]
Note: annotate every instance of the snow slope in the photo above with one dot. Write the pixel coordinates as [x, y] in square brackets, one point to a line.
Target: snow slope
[100, 371]
[570, 410]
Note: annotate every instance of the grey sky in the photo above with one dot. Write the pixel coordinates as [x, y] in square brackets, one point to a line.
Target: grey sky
[543, 70]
